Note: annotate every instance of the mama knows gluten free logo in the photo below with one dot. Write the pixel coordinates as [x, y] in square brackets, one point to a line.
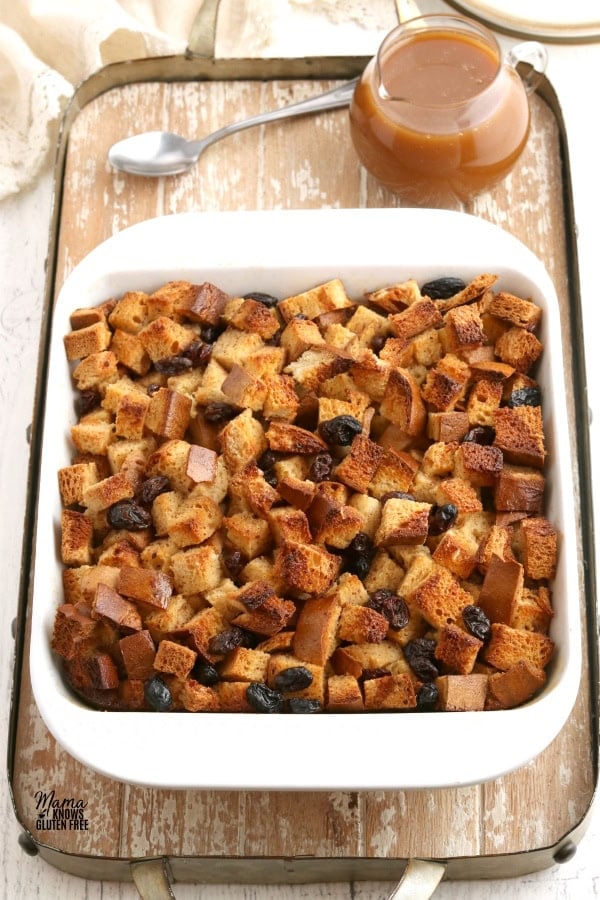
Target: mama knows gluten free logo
[59, 813]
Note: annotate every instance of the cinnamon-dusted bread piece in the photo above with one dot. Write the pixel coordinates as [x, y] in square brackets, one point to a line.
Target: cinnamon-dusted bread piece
[402, 403]
[344, 694]
[461, 693]
[318, 300]
[539, 542]
[519, 489]
[515, 686]
[463, 329]
[403, 522]
[418, 317]
[359, 466]
[316, 630]
[76, 538]
[520, 435]
[457, 650]
[85, 341]
[392, 692]
[515, 310]
[361, 624]
[518, 348]
[174, 659]
[508, 646]
[306, 567]
[501, 589]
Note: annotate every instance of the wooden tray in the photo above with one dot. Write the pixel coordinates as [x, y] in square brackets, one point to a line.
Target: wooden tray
[516, 824]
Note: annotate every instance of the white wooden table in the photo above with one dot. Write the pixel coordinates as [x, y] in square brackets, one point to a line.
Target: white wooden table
[23, 245]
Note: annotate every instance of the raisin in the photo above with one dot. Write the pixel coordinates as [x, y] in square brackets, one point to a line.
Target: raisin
[271, 478]
[419, 654]
[234, 561]
[527, 396]
[442, 288]
[152, 388]
[86, 402]
[361, 543]
[320, 469]
[378, 343]
[300, 316]
[481, 434]
[477, 622]
[217, 412]
[227, 640]
[370, 674]
[400, 495]
[359, 554]
[391, 606]
[340, 430]
[157, 694]
[198, 353]
[441, 518]
[151, 488]
[129, 515]
[274, 340]
[268, 460]
[265, 299]
[263, 699]
[210, 333]
[427, 697]
[296, 678]
[303, 705]
[205, 674]
[359, 566]
[173, 365]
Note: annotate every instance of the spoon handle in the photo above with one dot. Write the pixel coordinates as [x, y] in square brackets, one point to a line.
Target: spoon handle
[333, 99]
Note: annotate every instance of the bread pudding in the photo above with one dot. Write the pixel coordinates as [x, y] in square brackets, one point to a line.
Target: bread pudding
[309, 504]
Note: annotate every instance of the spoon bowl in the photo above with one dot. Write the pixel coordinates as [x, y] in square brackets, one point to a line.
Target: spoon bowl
[158, 153]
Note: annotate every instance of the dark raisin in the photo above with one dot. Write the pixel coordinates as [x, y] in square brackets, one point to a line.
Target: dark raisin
[340, 430]
[268, 460]
[399, 495]
[198, 353]
[359, 566]
[217, 412]
[360, 543]
[129, 515]
[303, 705]
[296, 678]
[157, 694]
[270, 477]
[234, 561]
[265, 299]
[441, 518]
[152, 388]
[205, 674]
[210, 333]
[527, 396]
[477, 622]
[173, 365]
[359, 554]
[419, 654]
[300, 316]
[86, 401]
[320, 469]
[427, 698]
[442, 288]
[275, 339]
[227, 640]
[370, 674]
[481, 434]
[263, 699]
[151, 488]
[391, 606]
[378, 343]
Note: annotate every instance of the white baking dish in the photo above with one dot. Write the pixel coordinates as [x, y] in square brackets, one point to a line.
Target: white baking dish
[285, 252]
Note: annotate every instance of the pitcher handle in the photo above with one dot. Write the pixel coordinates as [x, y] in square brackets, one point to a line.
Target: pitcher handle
[530, 60]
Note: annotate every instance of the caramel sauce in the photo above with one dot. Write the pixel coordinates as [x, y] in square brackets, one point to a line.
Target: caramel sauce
[455, 123]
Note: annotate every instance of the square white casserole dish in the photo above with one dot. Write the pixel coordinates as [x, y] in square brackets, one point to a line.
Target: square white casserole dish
[283, 253]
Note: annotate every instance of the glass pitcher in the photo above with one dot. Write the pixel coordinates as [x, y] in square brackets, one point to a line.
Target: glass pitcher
[438, 114]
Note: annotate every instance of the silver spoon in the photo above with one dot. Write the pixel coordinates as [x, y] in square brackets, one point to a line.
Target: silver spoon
[155, 153]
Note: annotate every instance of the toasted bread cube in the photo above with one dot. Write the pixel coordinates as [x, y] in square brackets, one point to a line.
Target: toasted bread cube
[484, 400]
[390, 692]
[242, 390]
[478, 464]
[248, 533]
[338, 337]
[460, 693]
[201, 464]
[209, 390]
[396, 297]
[204, 305]
[384, 573]
[349, 589]
[232, 696]
[439, 598]
[110, 606]
[359, 466]
[87, 341]
[196, 570]
[519, 489]
[496, 542]
[515, 686]
[289, 524]
[130, 352]
[447, 427]
[171, 460]
[457, 551]
[281, 399]
[457, 649]
[368, 325]
[170, 297]
[74, 480]
[285, 438]
[518, 348]
[202, 627]
[463, 329]
[317, 365]
[361, 624]
[316, 301]
[330, 407]
[195, 524]
[93, 434]
[370, 510]
[250, 484]
[356, 658]
[216, 489]
[516, 311]
[163, 338]
[418, 317]
[370, 375]
[460, 493]
[72, 630]
[146, 585]
[233, 347]
[90, 315]
[533, 610]
[196, 697]
[520, 435]
[395, 472]
[223, 598]
[344, 694]
[281, 662]
[501, 589]
[305, 567]
[297, 491]
[104, 493]
[92, 673]
[130, 313]
[168, 414]
[174, 659]
[508, 646]
[165, 510]
[270, 617]
[475, 289]
[300, 335]
[76, 538]
[138, 652]
[403, 522]
[316, 631]
[402, 403]
[446, 383]
[540, 548]
[131, 416]
[245, 665]
[158, 554]
[96, 371]
[257, 318]
[242, 440]
[333, 523]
